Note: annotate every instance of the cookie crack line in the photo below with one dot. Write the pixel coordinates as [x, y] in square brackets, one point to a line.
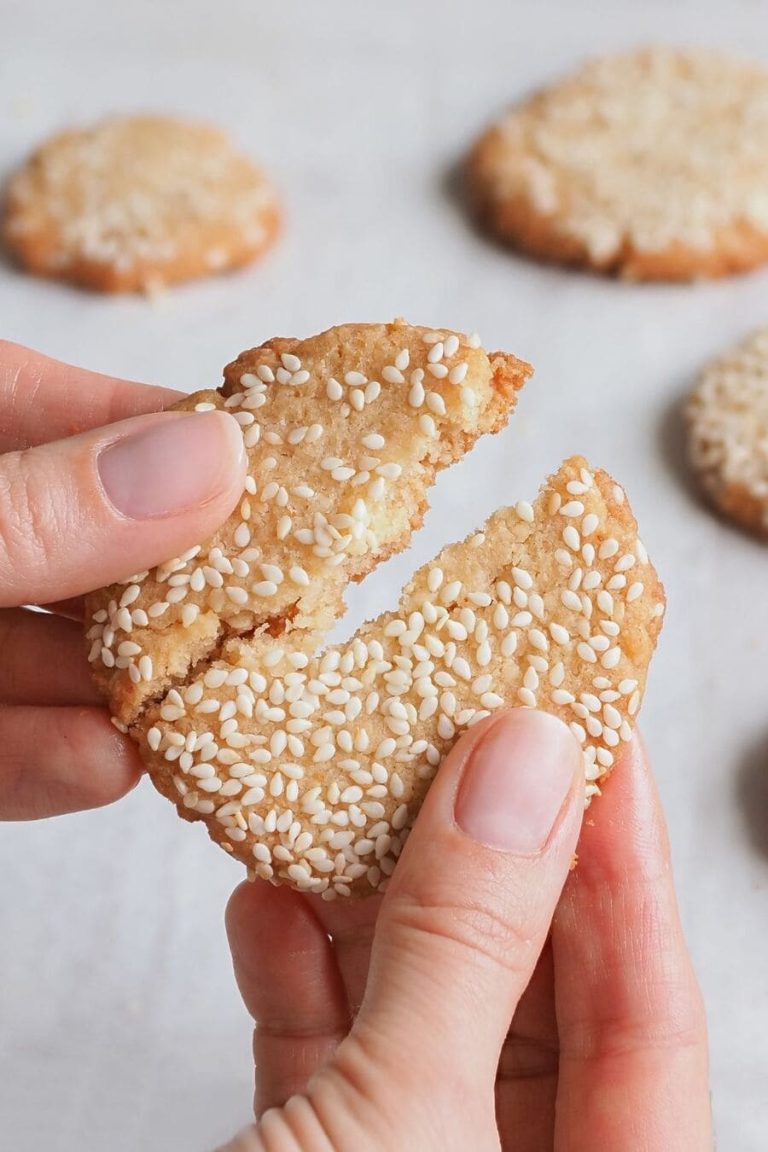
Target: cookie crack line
[309, 764]
[340, 460]
[274, 627]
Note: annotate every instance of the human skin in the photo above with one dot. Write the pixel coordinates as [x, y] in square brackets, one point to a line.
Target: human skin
[493, 998]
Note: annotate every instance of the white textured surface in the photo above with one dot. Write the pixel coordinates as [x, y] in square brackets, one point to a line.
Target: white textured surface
[119, 1023]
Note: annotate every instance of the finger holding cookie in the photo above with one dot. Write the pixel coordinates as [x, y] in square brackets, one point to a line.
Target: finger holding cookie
[121, 493]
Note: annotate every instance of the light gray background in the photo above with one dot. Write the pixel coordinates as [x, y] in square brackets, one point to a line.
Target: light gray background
[120, 1027]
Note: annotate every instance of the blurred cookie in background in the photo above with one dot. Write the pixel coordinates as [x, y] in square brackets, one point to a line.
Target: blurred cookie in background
[136, 203]
[727, 419]
[651, 164]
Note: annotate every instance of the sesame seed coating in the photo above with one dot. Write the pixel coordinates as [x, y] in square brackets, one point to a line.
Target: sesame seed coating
[310, 766]
[727, 417]
[652, 163]
[332, 493]
[136, 203]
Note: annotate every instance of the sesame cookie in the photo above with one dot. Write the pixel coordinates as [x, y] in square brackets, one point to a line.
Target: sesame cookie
[727, 416]
[310, 768]
[344, 433]
[653, 164]
[136, 203]
[310, 764]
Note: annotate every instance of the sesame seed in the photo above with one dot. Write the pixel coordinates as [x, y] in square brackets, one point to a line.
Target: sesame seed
[389, 471]
[435, 578]
[237, 595]
[509, 645]
[458, 373]
[416, 394]
[559, 634]
[586, 652]
[128, 648]
[571, 538]
[571, 600]
[264, 588]
[537, 639]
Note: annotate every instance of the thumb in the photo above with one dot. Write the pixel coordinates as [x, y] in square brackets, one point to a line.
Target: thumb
[470, 904]
[91, 509]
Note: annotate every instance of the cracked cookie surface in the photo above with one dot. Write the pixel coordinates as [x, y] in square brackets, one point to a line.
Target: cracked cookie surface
[344, 432]
[310, 764]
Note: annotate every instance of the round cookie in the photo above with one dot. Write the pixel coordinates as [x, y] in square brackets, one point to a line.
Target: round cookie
[309, 764]
[727, 418]
[136, 203]
[652, 164]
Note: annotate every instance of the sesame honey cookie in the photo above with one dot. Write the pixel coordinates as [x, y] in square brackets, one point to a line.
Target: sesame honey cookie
[136, 203]
[344, 434]
[653, 164]
[309, 764]
[727, 417]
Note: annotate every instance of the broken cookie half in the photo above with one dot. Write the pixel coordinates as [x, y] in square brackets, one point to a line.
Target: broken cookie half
[310, 764]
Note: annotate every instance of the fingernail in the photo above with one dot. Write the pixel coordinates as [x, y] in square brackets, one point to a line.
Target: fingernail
[174, 464]
[517, 780]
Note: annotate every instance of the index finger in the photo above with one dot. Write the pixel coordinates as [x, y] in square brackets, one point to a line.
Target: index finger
[629, 1011]
[42, 399]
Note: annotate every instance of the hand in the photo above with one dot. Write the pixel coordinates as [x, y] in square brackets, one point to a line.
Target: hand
[77, 513]
[455, 1014]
